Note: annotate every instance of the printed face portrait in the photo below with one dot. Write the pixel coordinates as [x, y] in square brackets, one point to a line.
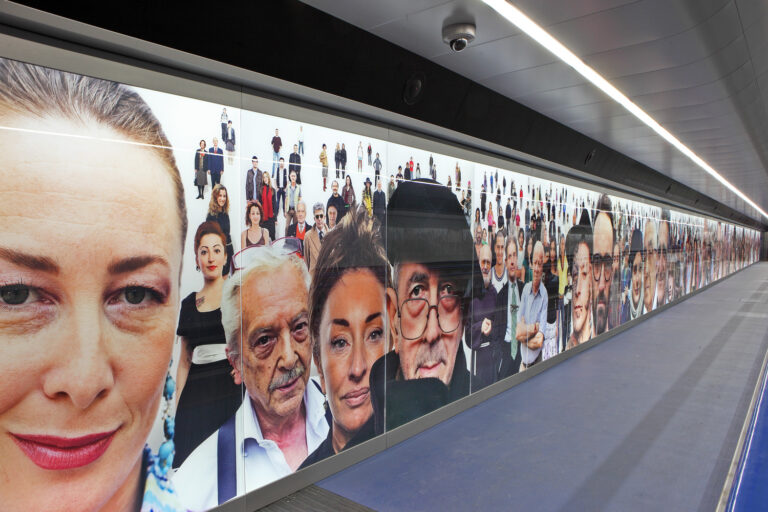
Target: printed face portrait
[637, 277]
[581, 280]
[301, 212]
[276, 350]
[602, 268]
[537, 264]
[254, 215]
[427, 346]
[319, 216]
[484, 259]
[662, 265]
[211, 255]
[511, 261]
[351, 339]
[89, 298]
[332, 214]
[335, 187]
[498, 249]
[649, 272]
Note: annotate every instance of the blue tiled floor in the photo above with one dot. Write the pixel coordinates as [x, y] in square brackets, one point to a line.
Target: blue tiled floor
[647, 420]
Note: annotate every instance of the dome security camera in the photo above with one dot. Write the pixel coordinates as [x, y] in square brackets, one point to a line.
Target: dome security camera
[459, 35]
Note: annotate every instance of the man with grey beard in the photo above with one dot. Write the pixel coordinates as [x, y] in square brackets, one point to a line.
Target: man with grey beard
[481, 334]
[265, 314]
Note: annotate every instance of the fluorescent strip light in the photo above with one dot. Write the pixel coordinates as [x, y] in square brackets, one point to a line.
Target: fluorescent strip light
[524, 23]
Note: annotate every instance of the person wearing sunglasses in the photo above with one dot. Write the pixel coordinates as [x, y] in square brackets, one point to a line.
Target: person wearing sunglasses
[651, 247]
[426, 304]
[314, 238]
[265, 314]
[578, 247]
[604, 236]
[347, 328]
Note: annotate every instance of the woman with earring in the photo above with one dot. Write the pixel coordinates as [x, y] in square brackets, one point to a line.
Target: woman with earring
[218, 211]
[201, 168]
[206, 392]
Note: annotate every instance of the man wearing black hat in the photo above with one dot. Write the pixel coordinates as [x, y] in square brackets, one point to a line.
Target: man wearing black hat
[427, 304]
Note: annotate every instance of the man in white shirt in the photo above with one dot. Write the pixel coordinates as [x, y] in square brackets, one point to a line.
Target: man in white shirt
[532, 315]
[282, 418]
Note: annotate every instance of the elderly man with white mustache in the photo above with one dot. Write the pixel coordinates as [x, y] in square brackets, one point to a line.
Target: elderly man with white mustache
[266, 322]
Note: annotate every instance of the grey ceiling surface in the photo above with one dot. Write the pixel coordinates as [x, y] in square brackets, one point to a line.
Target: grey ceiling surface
[699, 67]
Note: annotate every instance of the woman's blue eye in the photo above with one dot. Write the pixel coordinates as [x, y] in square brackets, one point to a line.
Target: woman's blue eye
[14, 294]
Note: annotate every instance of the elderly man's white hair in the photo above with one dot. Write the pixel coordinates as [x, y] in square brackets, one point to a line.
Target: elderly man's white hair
[264, 260]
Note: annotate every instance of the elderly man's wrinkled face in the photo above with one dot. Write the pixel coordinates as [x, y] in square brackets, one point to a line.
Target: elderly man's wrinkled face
[276, 350]
[537, 264]
[485, 264]
[301, 212]
[426, 316]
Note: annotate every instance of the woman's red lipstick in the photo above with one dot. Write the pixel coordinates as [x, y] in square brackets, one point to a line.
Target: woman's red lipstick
[50, 452]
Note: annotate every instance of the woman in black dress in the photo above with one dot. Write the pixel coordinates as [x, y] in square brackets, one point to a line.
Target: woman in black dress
[218, 211]
[207, 394]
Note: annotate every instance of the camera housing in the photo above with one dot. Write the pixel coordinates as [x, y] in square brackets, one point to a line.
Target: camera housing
[459, 35]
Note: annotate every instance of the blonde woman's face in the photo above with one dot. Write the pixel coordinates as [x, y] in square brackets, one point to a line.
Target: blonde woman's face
[88, 306]
[221, 199]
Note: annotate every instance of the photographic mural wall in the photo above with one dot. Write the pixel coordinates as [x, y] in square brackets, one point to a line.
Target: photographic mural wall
[196, 300]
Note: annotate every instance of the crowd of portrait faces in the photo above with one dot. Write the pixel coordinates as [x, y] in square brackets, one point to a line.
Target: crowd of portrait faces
[197, 300]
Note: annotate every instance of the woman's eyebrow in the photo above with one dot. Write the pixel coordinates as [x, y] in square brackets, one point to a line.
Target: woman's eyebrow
[133, 263]
[29, 261]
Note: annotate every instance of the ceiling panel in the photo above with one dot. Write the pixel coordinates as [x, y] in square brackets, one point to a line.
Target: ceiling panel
[700, 67]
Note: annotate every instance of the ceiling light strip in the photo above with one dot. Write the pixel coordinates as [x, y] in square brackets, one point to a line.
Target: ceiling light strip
[524, 23]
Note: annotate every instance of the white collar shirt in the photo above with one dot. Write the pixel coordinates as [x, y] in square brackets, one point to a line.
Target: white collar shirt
[262, 461]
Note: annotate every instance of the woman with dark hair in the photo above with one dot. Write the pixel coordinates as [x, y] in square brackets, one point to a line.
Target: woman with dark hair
[255, 234]
[207, 394]
[218, 211]
[346, 322]
[268, 205]
[201, 168]
[368, 197]
[88, 296]
[348, 195]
